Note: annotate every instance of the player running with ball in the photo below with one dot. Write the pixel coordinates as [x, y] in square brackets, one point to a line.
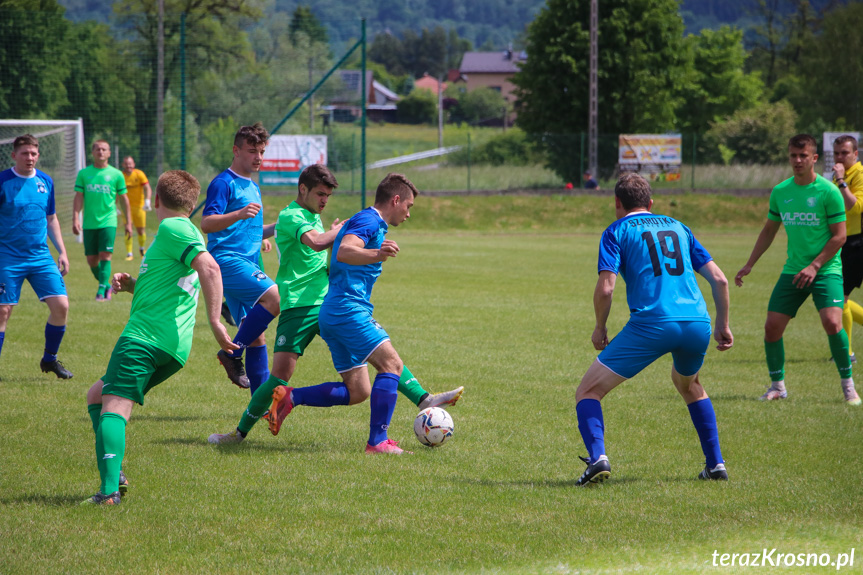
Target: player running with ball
[303, 281]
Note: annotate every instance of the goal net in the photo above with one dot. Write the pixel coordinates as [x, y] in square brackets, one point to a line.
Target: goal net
[61, 154]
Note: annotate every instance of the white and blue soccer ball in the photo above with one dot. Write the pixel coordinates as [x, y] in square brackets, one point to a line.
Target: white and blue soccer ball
[433, 426]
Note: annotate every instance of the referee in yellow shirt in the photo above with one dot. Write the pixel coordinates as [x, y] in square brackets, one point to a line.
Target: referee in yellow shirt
[848, 176]
[138, 192]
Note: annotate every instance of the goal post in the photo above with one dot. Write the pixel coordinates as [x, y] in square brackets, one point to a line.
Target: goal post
[62, 154]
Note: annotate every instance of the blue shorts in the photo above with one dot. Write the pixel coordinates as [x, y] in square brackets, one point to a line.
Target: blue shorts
[351, 334]
[638, 345]
[244, 283]
[41, 272]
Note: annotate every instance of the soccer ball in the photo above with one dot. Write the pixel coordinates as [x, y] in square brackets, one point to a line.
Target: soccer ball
[433, 426]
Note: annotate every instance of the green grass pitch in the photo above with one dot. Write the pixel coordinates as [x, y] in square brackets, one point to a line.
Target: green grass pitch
[503, 309]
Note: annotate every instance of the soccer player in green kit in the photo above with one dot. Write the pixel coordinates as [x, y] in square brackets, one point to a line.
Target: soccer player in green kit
[98, 190]
[158, 336]
[812, 211]
[303, 282]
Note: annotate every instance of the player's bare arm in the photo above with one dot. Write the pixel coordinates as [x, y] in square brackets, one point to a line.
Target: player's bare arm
[56, 237]
[127, 209]
[721, 299]
[321, 241]
[602, 297]
[805, 277]
[218, 222]
[123, 282]
[211, 286]
[269, 230]
[77, 206]
[352, 251]
[765, 239]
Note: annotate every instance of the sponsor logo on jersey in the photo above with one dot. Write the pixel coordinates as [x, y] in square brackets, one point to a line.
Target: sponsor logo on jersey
[100, 188]
[800, 219]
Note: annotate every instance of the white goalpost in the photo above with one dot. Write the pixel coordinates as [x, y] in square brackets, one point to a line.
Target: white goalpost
[62, 153]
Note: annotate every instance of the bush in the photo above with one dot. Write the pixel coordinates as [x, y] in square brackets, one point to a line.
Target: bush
[418, 107]
[756, 135]
[512, 148]
[477, 106]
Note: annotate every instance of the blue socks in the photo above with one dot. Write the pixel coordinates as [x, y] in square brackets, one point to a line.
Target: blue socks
[53, 337]
[383, 403]
[254, 324]
[704, 419]
[257, 368]
[592, 427]
[323, 395]
[2, 337]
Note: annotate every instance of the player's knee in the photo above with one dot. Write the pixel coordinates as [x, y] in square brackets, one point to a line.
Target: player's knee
[94, 394]
[358, 392]
[5, 312]
[270, 300]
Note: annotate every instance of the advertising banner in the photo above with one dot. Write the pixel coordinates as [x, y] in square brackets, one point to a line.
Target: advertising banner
[287, 156]
[654, 156]
[828, 150]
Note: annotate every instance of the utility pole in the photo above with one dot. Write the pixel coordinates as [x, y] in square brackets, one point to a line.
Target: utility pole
[594, 90]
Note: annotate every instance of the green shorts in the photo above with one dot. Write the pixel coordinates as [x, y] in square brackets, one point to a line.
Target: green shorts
[298, 326]
[99, 240]
[787, 298]
[135, 368]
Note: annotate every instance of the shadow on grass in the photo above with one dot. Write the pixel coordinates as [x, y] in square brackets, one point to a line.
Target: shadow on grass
[545, 483]
[45, 500]
[150, 417]
[246, 446]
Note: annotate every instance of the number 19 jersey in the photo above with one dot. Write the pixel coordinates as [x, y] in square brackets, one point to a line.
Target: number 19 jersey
[657, 257]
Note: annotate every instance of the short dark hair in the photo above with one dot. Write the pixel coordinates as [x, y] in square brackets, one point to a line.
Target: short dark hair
[31, 140]
[394, 185]
[845, 140]
[633, 191]
[255, 135]
[178, 190]
[315, 175]
[802, 141]
[93, 145]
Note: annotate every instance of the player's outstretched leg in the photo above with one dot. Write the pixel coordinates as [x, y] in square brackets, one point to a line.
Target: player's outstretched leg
[257, 408]
[411, 389]
[328, 394]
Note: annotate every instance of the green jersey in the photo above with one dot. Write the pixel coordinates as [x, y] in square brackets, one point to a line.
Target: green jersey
[166, 293]
[100, 187]
[807, 212]
[302, 279]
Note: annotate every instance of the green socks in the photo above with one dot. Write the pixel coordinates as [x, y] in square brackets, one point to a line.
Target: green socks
[775, 351]
[110, 448]
[95, 411]
[259, 404]
[839, 349]
[104, 275]
[410, 387]
[95, 271]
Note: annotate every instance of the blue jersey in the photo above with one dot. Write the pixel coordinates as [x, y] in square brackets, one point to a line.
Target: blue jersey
[349, 284]
[230, 192]
[25, 204]
[657, 257]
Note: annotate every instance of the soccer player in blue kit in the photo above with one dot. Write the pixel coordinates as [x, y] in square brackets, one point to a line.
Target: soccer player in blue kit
[234, 223]
[657, 256]
[27, 220]
[354, 337]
